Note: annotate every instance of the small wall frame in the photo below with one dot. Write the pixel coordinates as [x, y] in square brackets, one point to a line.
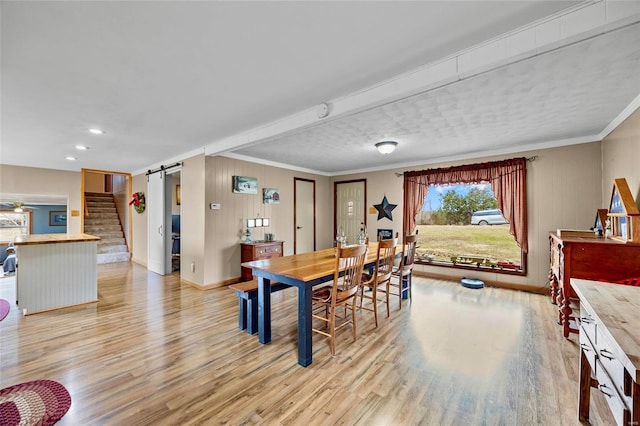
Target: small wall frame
[624, 214]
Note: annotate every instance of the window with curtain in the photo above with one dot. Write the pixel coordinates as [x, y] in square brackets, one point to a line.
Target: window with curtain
[506, 182]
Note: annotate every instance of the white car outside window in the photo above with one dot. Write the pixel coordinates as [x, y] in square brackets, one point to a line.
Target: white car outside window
[488, 217]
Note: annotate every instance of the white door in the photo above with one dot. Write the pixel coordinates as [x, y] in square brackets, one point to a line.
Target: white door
[158, 202]
[349, 208]
[304, 215]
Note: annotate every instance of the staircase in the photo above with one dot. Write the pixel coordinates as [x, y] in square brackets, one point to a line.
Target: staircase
[103, 221]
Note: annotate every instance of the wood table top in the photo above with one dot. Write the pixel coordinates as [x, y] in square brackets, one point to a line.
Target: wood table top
[53, 239]
[617, 307]
[306, 266]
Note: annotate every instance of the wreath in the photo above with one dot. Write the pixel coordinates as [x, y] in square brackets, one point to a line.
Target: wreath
[138, 202]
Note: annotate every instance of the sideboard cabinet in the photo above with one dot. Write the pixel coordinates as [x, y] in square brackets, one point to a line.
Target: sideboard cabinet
[588, 258]
[257, 251]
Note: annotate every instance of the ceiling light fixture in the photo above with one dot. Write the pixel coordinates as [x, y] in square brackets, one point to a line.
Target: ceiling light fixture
[18, 210]
[70, 158]
[97, 131]
[82, 147]
[386, 147]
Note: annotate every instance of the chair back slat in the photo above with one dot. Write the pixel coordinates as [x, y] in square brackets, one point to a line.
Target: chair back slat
[384, 259]
[348, 271]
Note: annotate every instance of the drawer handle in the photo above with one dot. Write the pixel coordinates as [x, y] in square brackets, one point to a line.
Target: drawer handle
[606, 354]
[586, 320]
[602, 389]
[585, 347]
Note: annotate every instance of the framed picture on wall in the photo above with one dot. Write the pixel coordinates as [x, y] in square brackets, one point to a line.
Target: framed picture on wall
[270, 196]
[245, 185]
[57, 218]
[386, 234]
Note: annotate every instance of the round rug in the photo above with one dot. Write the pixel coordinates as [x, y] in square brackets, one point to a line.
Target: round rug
[4, 308]
[40, 402]
[471, 283]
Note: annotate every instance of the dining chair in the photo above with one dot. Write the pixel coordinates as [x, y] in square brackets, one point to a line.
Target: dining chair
[342, 293]
[380, 278]
[404, 271]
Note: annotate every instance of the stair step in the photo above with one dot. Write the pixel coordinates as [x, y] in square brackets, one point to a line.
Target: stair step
[97, 194]
[101, 216]
[102, 230]
[111, 240]
[110, 237]
[113, 257]
[97, 204]
[97, 220]
[112, 248]
[102, 210]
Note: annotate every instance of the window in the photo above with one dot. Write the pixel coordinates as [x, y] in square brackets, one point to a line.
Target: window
[504, 182]
[459, 225]
[13, 224]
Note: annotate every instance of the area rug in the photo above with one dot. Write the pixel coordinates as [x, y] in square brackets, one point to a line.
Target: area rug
[4, 310]
[40, 402]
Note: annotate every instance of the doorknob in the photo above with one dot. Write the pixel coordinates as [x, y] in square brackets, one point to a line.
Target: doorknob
[160, 230]
[298, 227]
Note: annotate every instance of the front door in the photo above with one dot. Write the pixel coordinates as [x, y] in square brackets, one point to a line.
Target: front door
[350, 201]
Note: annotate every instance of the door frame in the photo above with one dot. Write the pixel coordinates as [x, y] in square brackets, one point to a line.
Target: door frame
[83, 211]
[295, 220]
[335, 201]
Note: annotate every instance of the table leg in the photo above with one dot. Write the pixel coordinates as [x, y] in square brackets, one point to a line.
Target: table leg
[264, 310]
[305, 350]
[584, 389]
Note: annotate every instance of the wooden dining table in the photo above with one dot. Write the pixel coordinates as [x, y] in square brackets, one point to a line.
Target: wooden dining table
[303, 271]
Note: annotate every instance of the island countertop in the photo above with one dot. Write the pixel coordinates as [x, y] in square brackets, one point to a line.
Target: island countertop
[53, 239]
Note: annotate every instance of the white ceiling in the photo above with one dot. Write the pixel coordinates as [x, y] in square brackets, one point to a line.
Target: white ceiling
[169, 79]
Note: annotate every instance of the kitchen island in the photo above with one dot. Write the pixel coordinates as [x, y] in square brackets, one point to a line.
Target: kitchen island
[55, 271]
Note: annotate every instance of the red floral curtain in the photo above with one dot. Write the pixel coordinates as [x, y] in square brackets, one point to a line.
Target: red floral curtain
[508, 183]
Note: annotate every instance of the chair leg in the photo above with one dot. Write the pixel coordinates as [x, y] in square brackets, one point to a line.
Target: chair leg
[410, 287]
[353, 318]
[387, 296]
[374, 300]
[332, 332]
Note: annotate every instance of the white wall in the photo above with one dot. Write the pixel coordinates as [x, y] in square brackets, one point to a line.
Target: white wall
[621, 158]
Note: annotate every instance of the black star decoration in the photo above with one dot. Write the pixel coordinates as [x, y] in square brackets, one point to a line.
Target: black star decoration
[384, 209]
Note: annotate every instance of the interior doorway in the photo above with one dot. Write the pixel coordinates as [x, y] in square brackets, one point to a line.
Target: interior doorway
[106, 186]
[164, 202]
[304, 217]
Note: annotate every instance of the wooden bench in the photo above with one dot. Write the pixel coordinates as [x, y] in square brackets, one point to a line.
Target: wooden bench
[247, 293]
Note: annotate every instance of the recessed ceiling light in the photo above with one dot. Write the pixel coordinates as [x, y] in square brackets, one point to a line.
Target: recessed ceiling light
[82, 147]
[70, 158]
[97, 131]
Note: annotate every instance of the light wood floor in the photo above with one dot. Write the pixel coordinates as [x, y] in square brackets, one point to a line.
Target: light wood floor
[152, 351]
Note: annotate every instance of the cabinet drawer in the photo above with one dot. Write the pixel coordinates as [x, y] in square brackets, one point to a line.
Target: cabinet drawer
[611, 363]
[588, 348]
[608, 389]
[588, 324]
[268, 251]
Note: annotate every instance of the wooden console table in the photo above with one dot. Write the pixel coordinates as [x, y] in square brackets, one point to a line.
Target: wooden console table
[610, 348]
[590, 259]
[259, 250]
